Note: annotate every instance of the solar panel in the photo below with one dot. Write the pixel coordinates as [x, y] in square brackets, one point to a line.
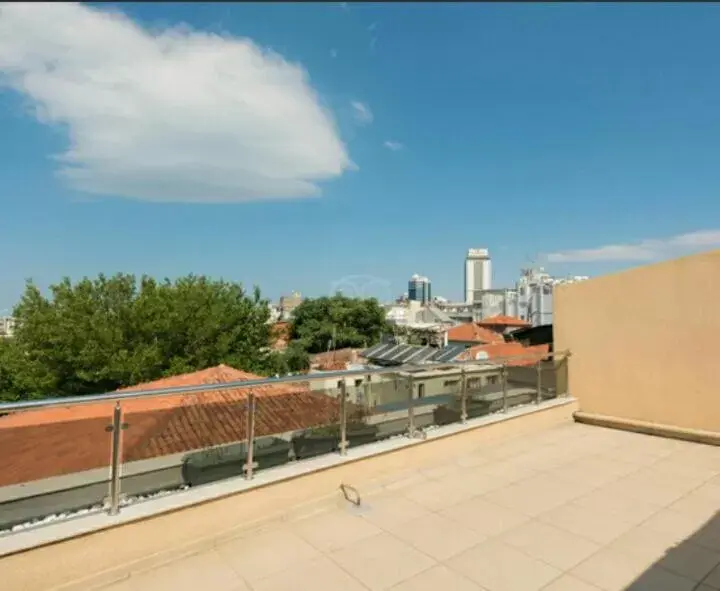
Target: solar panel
[408, 354]
[388, 354]
[368, 353]
[448, 353]
[384, 353]
[400, 352]
[425, 355]
[418, 354]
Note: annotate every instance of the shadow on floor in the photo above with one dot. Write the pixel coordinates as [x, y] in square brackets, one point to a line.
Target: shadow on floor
[691, 565]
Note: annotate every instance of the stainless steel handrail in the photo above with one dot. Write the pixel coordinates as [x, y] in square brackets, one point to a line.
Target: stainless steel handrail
[254, 384]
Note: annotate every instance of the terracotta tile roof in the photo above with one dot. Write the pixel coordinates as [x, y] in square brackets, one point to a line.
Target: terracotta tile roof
[331, 358]
[333, 366]
[215, 375]
[52, 442]
[473, 333]
[501, 320]
[502, 350]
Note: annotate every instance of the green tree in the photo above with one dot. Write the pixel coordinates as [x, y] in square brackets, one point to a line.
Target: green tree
[8, 391]
[102, 334]
[340, 321]
[296, 358]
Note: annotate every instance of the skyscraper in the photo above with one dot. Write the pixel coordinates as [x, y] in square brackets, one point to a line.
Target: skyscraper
[478, 273]
[419, 289]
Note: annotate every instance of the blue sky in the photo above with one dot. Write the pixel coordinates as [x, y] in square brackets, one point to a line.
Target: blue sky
[373, 142]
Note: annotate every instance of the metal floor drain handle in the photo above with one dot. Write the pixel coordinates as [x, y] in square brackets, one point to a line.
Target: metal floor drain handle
[349, 492]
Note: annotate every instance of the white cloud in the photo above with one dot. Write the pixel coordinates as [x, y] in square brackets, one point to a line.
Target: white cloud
[645, 250]
[362, 113]
[392, 145]
[171, 115]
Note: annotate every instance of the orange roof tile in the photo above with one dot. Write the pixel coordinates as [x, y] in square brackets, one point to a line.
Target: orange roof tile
[530, 355]
[220, 374]
[333, 357]
[502, 320]
[471, 332]
[51, 442]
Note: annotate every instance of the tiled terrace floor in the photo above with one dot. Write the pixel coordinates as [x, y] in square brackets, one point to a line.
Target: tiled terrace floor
[572, 508]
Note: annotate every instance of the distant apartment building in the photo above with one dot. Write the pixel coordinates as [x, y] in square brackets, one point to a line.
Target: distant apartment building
[535, 295]
[7, 326]
[288, 304]
[478, 273]
[419, 289]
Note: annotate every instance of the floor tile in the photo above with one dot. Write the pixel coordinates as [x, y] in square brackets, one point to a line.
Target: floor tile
[570, 583]
[334, 530]
[321, 574]
[713, 579]
[596, 526]
[438, 578]
[703, 502]
[557, 547]
[386, 511]
[437, 536]
[265, 553]
[486, 518]
[611, 570]
[498, 567]
[645, 485]
[623, 507]
[677, 527]
[441, 471]
[382, 561]
[536, 495]
[686, 559]
[437, 494]
[657, 579]
[204, 570]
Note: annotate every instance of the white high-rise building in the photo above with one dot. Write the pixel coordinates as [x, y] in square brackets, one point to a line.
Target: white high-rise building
[478, 274]
[534, 294]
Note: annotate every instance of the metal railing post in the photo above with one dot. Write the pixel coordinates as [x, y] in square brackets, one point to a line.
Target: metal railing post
[538, 368]
[411, 407]
[116, 457]
[504, 378]
[463, 397]
[250, 458]
[343, 418]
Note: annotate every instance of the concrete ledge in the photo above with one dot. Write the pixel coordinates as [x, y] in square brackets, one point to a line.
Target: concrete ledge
[669, 431]
[64, 556]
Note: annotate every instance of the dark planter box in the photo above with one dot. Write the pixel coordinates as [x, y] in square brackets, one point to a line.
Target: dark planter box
[310, 445]
[361, 434]
[327, 440]
[226, 462]
[446, 415]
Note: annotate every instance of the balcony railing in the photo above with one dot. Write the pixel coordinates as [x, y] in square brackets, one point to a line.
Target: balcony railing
[63, 457]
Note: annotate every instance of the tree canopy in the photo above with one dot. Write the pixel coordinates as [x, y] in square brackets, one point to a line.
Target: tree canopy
[101, 334]
[339, 322]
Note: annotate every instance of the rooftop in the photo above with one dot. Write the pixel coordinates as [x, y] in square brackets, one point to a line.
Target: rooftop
[58, 441]
[556, 507]
[502, 320]
[472, 332]
[491, 482]
[513, 354]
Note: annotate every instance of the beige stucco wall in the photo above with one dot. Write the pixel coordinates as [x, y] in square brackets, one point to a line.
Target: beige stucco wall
[644, 342]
